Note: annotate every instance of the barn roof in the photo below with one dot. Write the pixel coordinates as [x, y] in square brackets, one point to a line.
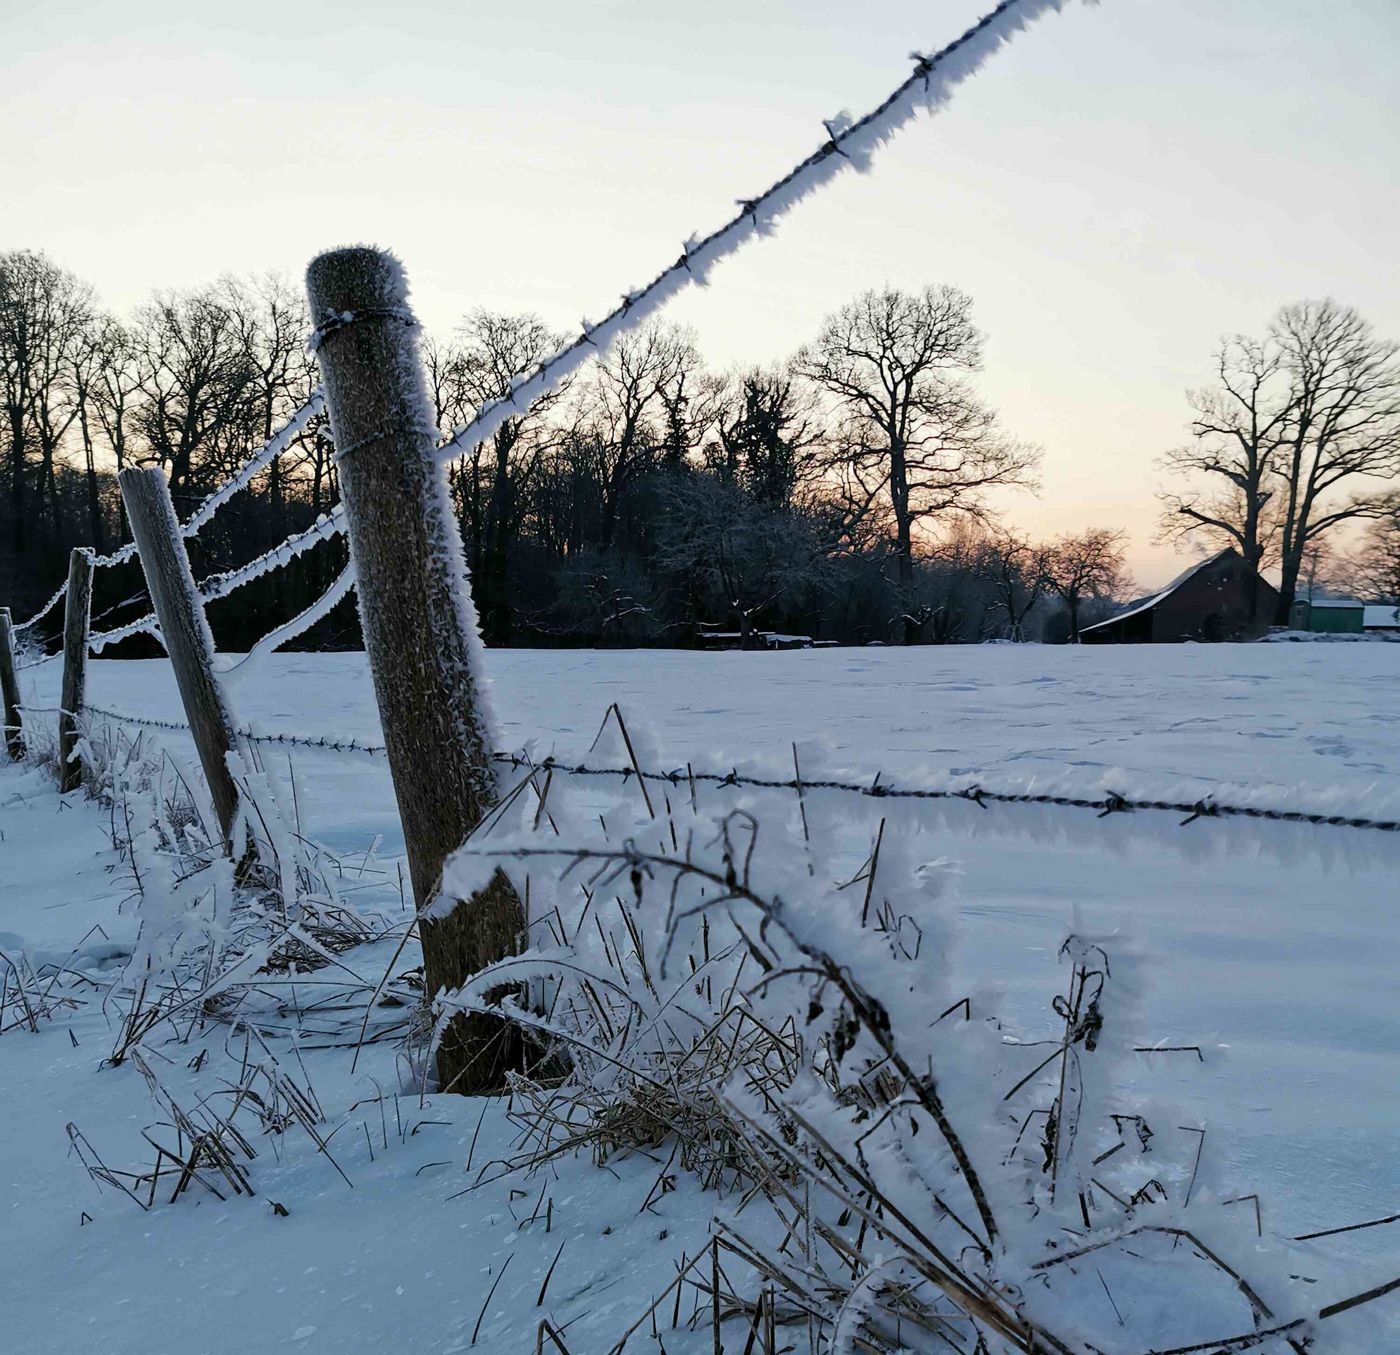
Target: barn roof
[1144, 604]
[1380, 615]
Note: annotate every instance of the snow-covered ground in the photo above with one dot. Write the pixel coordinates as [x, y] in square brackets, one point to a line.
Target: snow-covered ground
[1273, 947]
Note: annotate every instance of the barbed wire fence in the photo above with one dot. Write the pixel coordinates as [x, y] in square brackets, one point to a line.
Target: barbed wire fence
[1103, 806]
[848, 144]
[427, 567]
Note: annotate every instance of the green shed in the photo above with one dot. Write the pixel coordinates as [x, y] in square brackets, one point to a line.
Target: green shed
[1333, 616]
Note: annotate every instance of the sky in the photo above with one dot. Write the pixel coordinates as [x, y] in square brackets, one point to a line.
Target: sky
[1116, 190]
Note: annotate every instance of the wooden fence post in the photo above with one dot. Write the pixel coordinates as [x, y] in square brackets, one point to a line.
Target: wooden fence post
[76, 615]
[419, 629]
[185, 632]
[9, 688]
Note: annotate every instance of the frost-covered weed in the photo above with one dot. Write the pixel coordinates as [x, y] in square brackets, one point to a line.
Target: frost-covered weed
[221, 942]
[732, 1002]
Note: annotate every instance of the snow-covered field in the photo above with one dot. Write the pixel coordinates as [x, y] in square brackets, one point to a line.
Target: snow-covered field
[1273, 947]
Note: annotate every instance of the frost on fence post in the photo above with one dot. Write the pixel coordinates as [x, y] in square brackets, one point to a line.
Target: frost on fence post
[184, 632]
[76, 618]
[9, 687]
[419, 628]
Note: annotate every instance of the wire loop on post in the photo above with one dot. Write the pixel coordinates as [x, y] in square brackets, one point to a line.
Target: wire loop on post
[402, 430]
[333, 324]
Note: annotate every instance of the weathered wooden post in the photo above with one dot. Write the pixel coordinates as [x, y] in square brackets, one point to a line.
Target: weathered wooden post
[9, 688]
[76, 616]
[419, 629]
[185, 632]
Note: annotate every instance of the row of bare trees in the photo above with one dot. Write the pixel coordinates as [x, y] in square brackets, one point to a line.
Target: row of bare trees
[190, 381]
[1297, 437]
[844, 494]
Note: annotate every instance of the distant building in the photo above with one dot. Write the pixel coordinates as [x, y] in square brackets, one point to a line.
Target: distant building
[1343, 616]
[1328, 616]
[1381, 617]
[1216, 599]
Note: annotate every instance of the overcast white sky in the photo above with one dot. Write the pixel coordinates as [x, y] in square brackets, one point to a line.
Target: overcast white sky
[1115, 190]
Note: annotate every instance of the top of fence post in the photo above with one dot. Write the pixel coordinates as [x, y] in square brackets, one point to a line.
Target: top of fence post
[419, 625]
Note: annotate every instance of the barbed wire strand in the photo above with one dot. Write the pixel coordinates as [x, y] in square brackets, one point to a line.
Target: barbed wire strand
[1103, 806]
[274, 447]
[210, 505]
[221, 585]
[270, 643]
[850, 145]
[854, 145]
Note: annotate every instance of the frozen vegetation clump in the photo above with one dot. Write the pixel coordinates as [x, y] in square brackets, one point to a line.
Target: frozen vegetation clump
[721, 985]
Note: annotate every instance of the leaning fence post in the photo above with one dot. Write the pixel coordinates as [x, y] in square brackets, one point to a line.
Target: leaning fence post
[76, 615]
[9, 688]
[419, 629]
[184, 631]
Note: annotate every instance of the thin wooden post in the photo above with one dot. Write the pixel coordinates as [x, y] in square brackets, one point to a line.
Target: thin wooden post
[184, 631]
[76, 616]
[419, 629]
[9, 688]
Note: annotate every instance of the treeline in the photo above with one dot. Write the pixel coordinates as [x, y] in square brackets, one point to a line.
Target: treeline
[842, 495]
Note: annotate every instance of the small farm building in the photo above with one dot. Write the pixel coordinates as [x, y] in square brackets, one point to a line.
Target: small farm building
[1344, 616]
[1329, 616]
[1216, 599]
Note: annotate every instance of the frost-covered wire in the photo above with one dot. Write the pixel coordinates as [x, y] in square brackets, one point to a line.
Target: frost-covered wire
[850, 144]
[45, 609]
[331, 742]
[145, 625]
[325, 527]
[241, 479]
[221, 585]
[302, 622]
[269, 452]
[1102, 806]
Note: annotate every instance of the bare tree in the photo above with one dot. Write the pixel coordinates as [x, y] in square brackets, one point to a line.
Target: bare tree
[44, 315]
[624, 412]
[1344, 426]
[1084, 567]
[85, 372]
[1238, 435]
[765, 433]
[270, 320]
[914, 440]
[493, 478]
[117, 385]
[16, 358]
[744, 552]
[198, 387]
[1016, 571]
[1298, 419]
[1373, 571]
[952, 603]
